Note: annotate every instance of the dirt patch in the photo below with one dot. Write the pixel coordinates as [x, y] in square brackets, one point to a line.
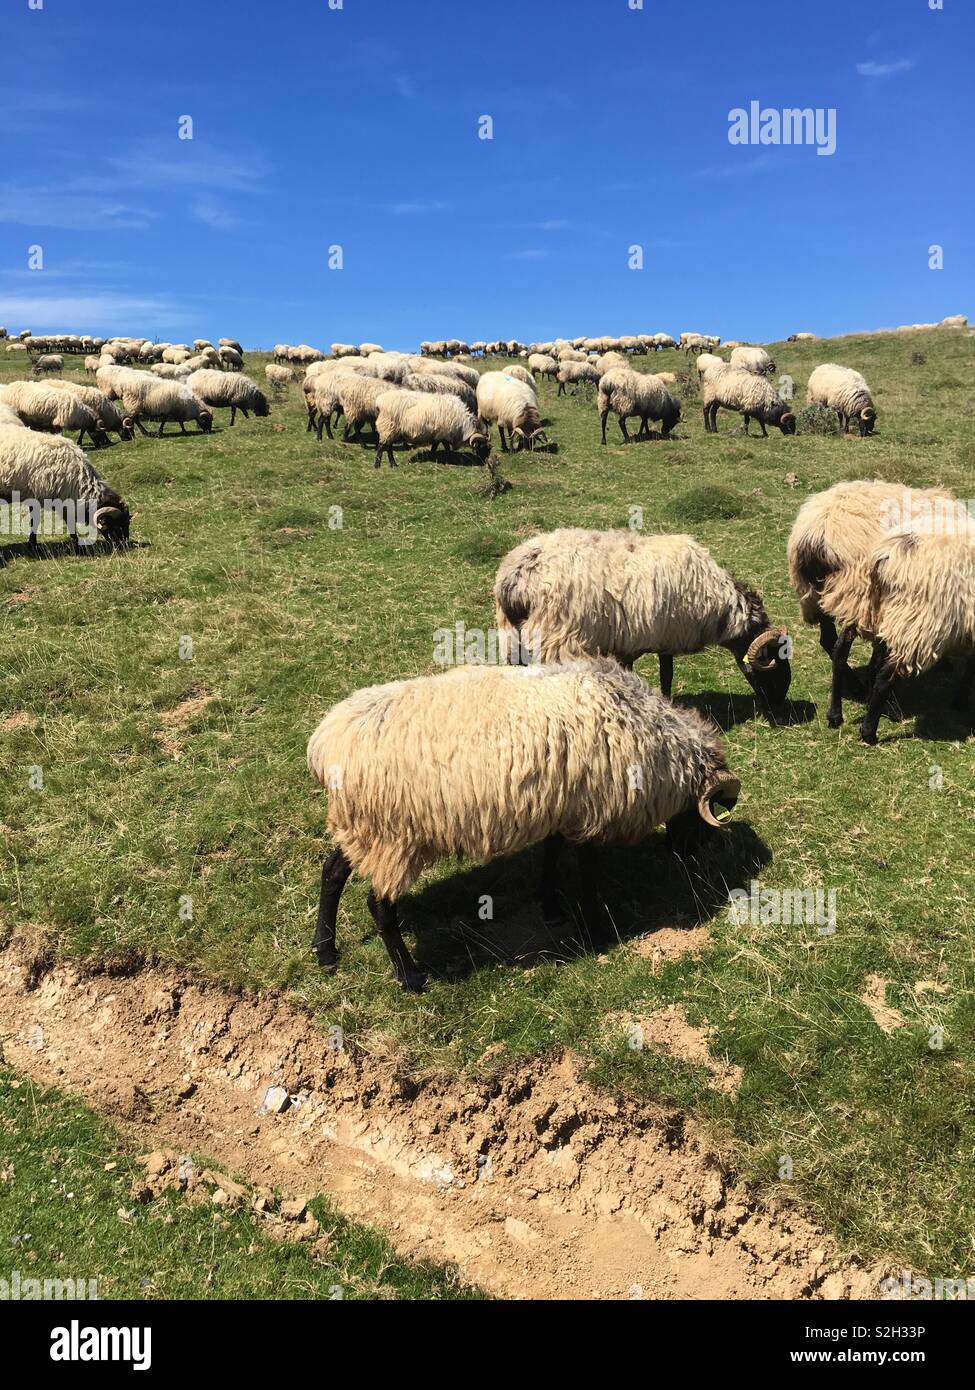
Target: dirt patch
[20, 719]
[532, 1182]
[670, 943]
[669, 1030]
[875, 998]
[177, 719]
[19, 596]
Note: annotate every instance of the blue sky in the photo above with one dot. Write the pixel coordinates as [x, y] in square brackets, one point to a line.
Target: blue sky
[358, 127]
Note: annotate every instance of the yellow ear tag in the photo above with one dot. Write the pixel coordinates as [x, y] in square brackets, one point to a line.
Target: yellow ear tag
[723, 814]
[745, 661]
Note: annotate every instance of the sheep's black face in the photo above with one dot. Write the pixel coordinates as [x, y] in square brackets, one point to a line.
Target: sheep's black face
[867, 421]
[206, 421]
[262, 407]
[771, 685]
[481, 447]
[113, 525]
[787, 424]
[670, 420]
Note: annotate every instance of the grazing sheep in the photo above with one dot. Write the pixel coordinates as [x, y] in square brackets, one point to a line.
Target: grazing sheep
[752, 396]
[107, 412]
[231, 359]
[568, 354]
[707, 360]
[607, 360]
[484, 761]
[149, 398]
[541, 364]
[512, 405]
[358, 397]
[801, 337]
[470, 375]
[228, 343]
[831, 539]
[45, 469]
[44, 407]
[168, 372]
[278, 376]
[667, 378]
[9, 419]
[366, 348]
[914, 596]
[48, 363]
[442, 383]
[231, 389]
[662, 341]
[109, 378]
[845, 391]
[321, 392]
[415, 417]
[175, 355]
[627, 393]
[575, 374]
[752, 359]
[574, 592]
[92, 364]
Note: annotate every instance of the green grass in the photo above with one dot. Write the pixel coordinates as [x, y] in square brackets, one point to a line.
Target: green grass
[66, 1212]
[288, 615]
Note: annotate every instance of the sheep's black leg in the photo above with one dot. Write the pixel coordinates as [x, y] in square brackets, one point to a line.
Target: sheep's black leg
[141, 425]
[162, 424]
[335, 873]
[841, 653]
[707, 419]
[622, 421]
[666, 674]
[602, 421]
[233, 414]
[590, 897]
[311, 421]
[407, 971]
[244, 413]
[764, 430]
[378, 460]
[966, 685]
[81, 438]
[552, 849]
[561, 390]
[748, 420]
[504, 446]
[853, 685]
[878, 696]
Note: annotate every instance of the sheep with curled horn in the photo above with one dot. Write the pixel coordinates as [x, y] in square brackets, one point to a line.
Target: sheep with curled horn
[573, 593]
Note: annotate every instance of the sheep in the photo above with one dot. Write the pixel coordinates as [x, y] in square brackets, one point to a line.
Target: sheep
[107, 412]
[707, 360]
[321, 393]
[44, 407]
[574, 374]
[9, 419]
[607, 360]
[753, 396]
[149, 398]
[228, 343]
[662, 341]
[573, 593]
[45, 469]
[366, 348]
[278, 376]
[844, 390]
[801, 338]
[442, 383]
[542, 364]
[231, 359]
[752, 359]
[359, 397]
[510, 403]
[91, 364]
[569, 354]
[109, 377]
[344, 350]
[418, 418]
[470, 375]
[485, 760]
[168, 372]
[175, 355]
[667, 378]
[231, 389]
[49, 362]
[627, 393]
[833, 534]
[913, 595]
[520, 373]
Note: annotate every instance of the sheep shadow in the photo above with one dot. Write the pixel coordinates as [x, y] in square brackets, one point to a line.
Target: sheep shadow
[727, 710]
[643, 889]
[61, 550]
[931, 702]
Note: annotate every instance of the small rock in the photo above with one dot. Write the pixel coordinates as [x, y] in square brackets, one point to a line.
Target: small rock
[276, 1100]
[293, 1211]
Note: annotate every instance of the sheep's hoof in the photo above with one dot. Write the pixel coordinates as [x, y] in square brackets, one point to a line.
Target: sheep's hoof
[834, 720]
[413, 981]
[868, 735]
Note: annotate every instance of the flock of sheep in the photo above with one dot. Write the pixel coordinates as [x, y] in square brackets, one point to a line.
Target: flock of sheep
[562, 742]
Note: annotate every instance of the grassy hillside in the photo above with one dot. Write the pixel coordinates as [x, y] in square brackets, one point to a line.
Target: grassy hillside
[168, 780]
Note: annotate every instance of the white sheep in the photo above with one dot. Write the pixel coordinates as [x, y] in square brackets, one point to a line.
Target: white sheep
[441, 383]
[485, 760]
[512, 405]
[41, 406]
[752, 396]
[231, 359]
[576, 374]
[231, 389]
[752, 359]
[106, 412]
[844, 390]
[707, 360]
[543, 364]
[416, 417]
[46, 469]
[278, 376]
[573, 592]
[49, 362]
[627, 393]
[358, 398]
[149, 398]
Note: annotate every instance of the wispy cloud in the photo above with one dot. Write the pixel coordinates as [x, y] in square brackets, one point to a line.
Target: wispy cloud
[734, 168]
[178, 163]
[885, 69]
[93, 313]
[78, 212]
[554, 224]
[414, 209]
[213, 215]
[529, 253]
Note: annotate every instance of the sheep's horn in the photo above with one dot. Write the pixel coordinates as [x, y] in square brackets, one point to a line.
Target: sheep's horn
[539, 437]
[107, 511]
[727, 787]
[764, 639]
